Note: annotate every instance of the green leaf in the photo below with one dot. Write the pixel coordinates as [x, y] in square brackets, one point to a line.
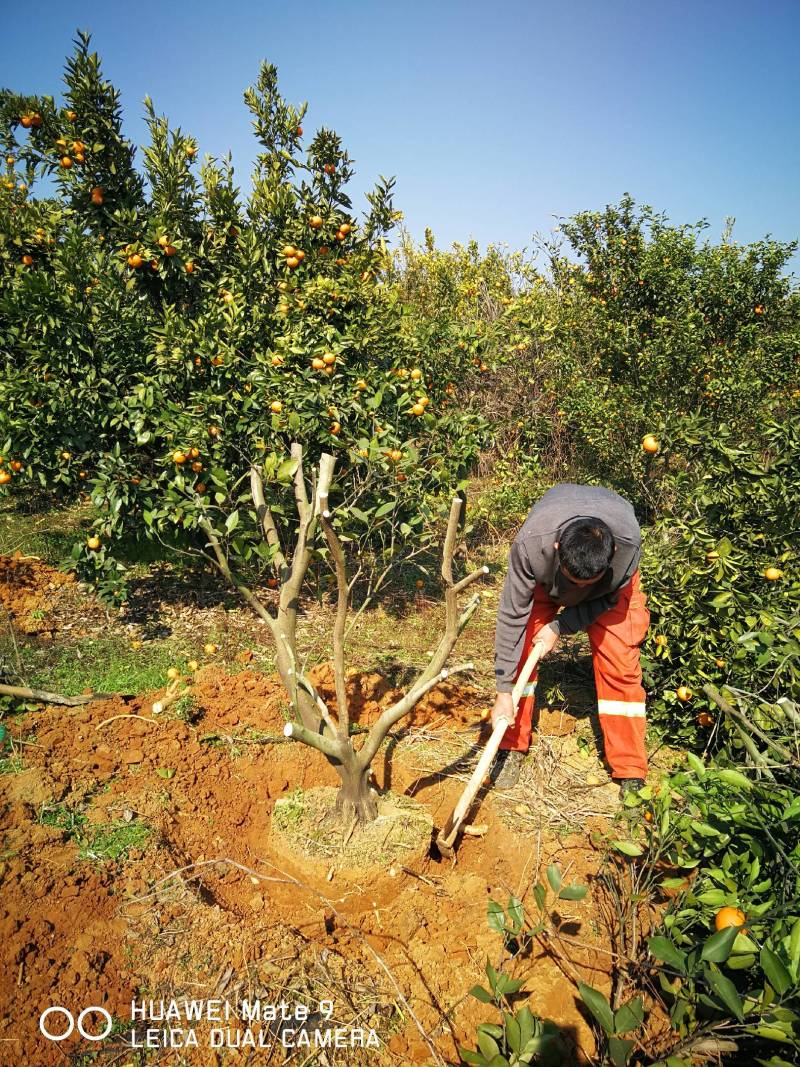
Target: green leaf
[629, 1016]
[286, 471]
[516, 913]
[554, 877]
[496, 917]
[777, 974]
[718, 947]
[794, 945]
[726, 991]
[488, 1045]
[696, 764]
[598, 1006]
[481, 994]
[628, 847]
[165, 772]
[619, 1050]
[539, 895]
[384, 509]
[721, 599]
[232, 521]
[663, 949]
[735, 778]
[506, 985]
[573, 892]
[792, 810]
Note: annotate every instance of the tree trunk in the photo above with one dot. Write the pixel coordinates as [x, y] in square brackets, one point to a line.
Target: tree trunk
[356, 799]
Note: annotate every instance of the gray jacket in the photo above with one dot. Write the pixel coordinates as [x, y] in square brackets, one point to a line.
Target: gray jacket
[534, 561]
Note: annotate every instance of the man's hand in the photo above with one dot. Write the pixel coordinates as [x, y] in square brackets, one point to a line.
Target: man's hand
[503, 709]
[547, 639]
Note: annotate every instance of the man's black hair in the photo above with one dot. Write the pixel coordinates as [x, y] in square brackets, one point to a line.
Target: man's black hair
[586, 548]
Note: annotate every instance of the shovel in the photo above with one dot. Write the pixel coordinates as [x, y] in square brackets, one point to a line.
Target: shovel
[446, 837]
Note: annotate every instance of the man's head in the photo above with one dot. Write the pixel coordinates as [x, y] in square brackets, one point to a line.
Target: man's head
[586, 549]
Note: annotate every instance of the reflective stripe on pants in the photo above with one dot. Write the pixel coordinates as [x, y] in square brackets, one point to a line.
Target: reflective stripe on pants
[614, 638]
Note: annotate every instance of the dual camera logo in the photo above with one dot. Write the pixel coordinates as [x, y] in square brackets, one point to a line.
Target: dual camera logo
[68, 1023]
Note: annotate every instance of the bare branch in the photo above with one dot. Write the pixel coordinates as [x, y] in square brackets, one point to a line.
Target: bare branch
[391, 715]
[45, 697]
[300, 492]
[744, 722]
[242, 589]
[326, 745]
[342, 603]
[265, 517]
[324, 711]
[450, 539]
[481, 572]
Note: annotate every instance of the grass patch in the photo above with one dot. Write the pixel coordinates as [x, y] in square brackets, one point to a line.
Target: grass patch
[105, 664]
[49, 533]
[11, 764]
[105, 841]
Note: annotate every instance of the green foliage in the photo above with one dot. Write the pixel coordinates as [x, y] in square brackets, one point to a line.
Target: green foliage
[138, 323]
[109, 841]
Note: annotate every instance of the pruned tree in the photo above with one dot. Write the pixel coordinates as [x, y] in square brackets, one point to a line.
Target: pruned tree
[314, 723]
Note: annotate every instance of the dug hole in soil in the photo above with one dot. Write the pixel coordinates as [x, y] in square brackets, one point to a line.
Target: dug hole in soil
[243, 888]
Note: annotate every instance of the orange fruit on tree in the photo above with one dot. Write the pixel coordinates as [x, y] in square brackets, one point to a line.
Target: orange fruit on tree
[36, 119]
[711, 556]
[299, 131]
[329, 359]
[163, 240]
[729, 916]
[361, 385]
[96, 195]
[217, 361]
[317, 363]
[759, 309]
[329, 168]
[719, 662]
[26, 122]
[335, 428]
[27, 260]
[683, 693]
[191, 151]
[194, 452]
[418, 409]
[16, 465]
[416, 374]
[170, 250]
[283, 309]
[5, 477]
[292, 262]
[80, 157]
[189, 266]
[153, 264]
[213, 431]
[178, 457]
[65, 162]
[276, 407]
[200, 487]
[276, 360]
[72, 115]
[66, 455]
[704, 719]
[648, 816]
[772, 574]
[324, 250]
[650, 443]
[345, 228]
[288, 250]
[135, 260]
[93, 543]
[661, 640]
[315, 222]
[419, 583]
[300, 255]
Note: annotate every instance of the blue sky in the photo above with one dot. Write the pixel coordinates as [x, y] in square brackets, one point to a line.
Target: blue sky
[495, 117]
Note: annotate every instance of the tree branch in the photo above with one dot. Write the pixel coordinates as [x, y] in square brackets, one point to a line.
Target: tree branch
[743, 721]
[267, 521]
[342, 603]
[391, 715]
[242, 589]
[326, 745]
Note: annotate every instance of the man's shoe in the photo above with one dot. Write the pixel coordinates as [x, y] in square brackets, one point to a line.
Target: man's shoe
[506, 770]
[630, 785]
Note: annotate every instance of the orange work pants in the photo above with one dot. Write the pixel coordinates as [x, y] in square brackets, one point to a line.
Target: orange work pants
[614, 637]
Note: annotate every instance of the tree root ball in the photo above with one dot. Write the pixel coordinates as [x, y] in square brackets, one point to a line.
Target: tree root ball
[307, 824]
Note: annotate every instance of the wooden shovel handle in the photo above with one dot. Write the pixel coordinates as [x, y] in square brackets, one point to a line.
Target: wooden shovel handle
[490, 751]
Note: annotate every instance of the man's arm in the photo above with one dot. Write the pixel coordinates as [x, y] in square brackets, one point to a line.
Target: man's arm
[512, 617]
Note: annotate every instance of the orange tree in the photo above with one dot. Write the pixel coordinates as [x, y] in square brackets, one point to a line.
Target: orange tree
[722, 579]
[168, 333]
[651, 324]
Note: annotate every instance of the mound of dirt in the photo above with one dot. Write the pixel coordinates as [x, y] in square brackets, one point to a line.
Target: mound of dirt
[28, 590]
[401, 834]
[214, 903]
